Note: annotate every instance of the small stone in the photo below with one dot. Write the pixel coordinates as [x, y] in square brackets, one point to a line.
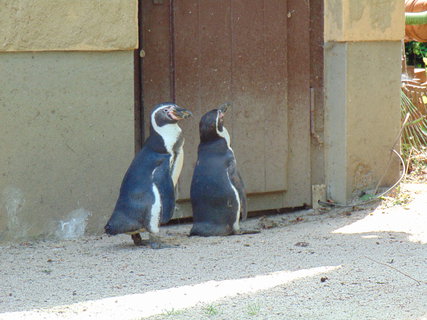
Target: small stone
[266, 223]
[302, 244]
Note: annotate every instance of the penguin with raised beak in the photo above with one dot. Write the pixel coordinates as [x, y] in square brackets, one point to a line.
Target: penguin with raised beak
[218, 196]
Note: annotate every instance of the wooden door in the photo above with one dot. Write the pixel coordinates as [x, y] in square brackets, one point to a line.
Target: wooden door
[201, 53]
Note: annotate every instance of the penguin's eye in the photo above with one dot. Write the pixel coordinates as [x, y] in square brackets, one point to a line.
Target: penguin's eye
[165, 110]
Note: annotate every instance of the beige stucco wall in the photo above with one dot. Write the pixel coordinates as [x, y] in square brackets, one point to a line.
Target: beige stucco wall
[67, 136]
[63, 25]
[364, 20]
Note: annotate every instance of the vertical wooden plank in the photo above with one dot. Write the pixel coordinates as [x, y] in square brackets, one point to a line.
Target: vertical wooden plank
[138, 110]
[187, 83]
[316, 82]
[259, 90]
[215, 54]
[203, 61]
[155, 64]
[138, 85]
[249, 91]
[276, 98]
[298, 104]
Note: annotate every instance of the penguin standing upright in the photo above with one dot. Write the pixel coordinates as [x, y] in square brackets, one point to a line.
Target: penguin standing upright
[217, 192]
[147, 193]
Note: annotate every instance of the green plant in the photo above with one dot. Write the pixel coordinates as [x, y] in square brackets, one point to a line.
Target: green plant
[211, 310]
[254, 309]
[415, 52]
[414, 135]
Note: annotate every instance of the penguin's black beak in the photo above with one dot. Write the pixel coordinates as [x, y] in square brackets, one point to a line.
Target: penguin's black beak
[179, 113]
[224, 107]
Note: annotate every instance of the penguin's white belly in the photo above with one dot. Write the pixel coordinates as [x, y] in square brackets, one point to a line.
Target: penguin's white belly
[226, 136]
[155, 212]
[176, 166]
[170, 134]
[156, 208]
[236, 226]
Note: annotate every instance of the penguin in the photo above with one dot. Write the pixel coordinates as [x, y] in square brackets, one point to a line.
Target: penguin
[217, 191]
[147, 193]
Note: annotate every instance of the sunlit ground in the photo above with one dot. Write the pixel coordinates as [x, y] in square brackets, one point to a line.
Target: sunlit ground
[137, 306]
[410, 219]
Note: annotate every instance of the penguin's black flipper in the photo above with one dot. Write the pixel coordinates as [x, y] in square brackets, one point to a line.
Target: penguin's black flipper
[163, 181]
[237, 181]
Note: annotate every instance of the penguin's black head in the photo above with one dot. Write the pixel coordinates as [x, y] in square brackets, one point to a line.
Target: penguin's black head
[168, 112]
[211, 125]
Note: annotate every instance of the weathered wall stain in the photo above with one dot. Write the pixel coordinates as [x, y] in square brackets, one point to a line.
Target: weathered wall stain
[363, 178]
[13, 202]
[380, 12]
[74, 226]
[364, 20]
[335, 13]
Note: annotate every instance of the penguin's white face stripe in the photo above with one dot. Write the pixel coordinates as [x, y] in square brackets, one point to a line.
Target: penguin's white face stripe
[169, 132]
[224, 133]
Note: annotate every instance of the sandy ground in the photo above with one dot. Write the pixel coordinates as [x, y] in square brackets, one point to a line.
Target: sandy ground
[341, 264]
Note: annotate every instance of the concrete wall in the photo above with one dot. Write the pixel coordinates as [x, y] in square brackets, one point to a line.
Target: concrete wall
[362, 94]
[67, 115]
[67, 135]
[362, 115]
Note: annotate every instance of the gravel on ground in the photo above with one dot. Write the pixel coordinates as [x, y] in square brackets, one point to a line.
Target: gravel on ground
[351, 263]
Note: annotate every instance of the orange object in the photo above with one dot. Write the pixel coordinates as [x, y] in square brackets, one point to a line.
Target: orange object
[416, 32]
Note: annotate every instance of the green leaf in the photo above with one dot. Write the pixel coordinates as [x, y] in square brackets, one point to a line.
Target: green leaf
[367, 197]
